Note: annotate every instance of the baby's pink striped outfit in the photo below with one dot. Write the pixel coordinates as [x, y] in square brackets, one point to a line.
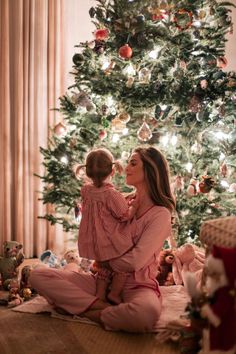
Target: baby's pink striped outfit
[105, 231]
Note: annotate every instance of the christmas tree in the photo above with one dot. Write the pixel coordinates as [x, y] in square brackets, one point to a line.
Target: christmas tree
[152, 75]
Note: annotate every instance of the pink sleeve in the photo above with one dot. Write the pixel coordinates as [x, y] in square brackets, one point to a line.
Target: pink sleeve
[118, 205]
[155, 232]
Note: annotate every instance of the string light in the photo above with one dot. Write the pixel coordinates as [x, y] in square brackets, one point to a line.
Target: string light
[189, 166]
[115, 138]
[64, 160]
[224, 184]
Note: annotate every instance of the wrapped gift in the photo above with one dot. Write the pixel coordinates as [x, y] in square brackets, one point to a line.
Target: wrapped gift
[219, 232]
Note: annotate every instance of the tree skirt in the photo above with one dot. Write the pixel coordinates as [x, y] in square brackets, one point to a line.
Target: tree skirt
[174, 297]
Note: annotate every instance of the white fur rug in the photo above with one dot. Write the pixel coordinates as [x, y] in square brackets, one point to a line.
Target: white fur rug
[175, 300]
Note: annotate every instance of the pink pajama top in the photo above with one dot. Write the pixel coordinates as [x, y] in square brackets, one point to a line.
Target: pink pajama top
[153, 228]
[104, 231]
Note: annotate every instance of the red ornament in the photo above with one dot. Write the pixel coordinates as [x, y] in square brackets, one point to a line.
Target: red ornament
[206, 184]
[102, 134]
[221, 62]
[183, 19]
[125, 51]
[101, 34]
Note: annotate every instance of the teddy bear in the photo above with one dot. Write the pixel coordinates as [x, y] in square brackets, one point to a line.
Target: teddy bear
[187, 258]
[164, 275]
[12, 258]
[72, 259]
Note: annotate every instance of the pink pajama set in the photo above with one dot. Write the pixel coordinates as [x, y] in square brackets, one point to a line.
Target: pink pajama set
[141, 306]
[104, 231]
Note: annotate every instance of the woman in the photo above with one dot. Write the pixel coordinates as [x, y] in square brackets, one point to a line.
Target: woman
[147, 171]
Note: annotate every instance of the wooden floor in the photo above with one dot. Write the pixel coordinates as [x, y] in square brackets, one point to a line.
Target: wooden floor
[23, 333]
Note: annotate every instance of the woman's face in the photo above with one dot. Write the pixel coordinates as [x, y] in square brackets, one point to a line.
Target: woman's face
[134, 171]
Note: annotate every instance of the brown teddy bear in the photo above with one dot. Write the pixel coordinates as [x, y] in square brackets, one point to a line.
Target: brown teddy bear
[72, 259]
[164, 275]
[12, 258]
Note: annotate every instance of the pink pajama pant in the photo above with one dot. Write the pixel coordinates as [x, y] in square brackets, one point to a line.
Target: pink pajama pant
[75, 293]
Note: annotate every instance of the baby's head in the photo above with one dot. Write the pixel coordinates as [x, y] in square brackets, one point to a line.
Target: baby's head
[99, 165]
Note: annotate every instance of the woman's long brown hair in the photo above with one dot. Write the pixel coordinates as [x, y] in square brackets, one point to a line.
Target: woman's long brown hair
[156, 172]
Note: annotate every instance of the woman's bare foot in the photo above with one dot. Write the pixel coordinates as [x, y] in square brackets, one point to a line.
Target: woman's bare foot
[93, 315]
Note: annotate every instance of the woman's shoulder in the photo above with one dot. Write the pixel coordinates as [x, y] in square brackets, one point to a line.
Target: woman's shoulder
[157, 212]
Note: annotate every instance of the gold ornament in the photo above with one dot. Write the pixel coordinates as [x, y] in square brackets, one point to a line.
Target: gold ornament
[80, 171]
[231, 83]
[124, 117]
[60, 129]
[164, 5]
[129, 82]
[27, 293]
[144, 76]
[202, 14]
[117, 125]
[224, 170]
[144, 133]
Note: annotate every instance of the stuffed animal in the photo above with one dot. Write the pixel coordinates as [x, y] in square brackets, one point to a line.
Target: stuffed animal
[164, 275]
[12, 258]
[86, 264]
[72, 259]
[26, 290]
[50, 259]
[187, 258]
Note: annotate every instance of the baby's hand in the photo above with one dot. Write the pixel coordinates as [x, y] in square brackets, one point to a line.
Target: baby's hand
[118, 167]
[134, 202]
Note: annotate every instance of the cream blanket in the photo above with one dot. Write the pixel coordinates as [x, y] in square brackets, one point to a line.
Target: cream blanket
[175, 299]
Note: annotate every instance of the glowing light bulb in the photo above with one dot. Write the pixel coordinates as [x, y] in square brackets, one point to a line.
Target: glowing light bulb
[174, 140]
[197, 24]
[224, 184]
[222, 156]
[220, 135]
[115, 138]
[189, 166]
[125, 131]
[163, 107]
[110, 102]
[129, 70]
[64, 160]
[154, 53]
[105, 65]
[165, 140]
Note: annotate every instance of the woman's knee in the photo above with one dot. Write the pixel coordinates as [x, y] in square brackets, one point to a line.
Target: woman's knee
[145, 317]
[36, 276]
